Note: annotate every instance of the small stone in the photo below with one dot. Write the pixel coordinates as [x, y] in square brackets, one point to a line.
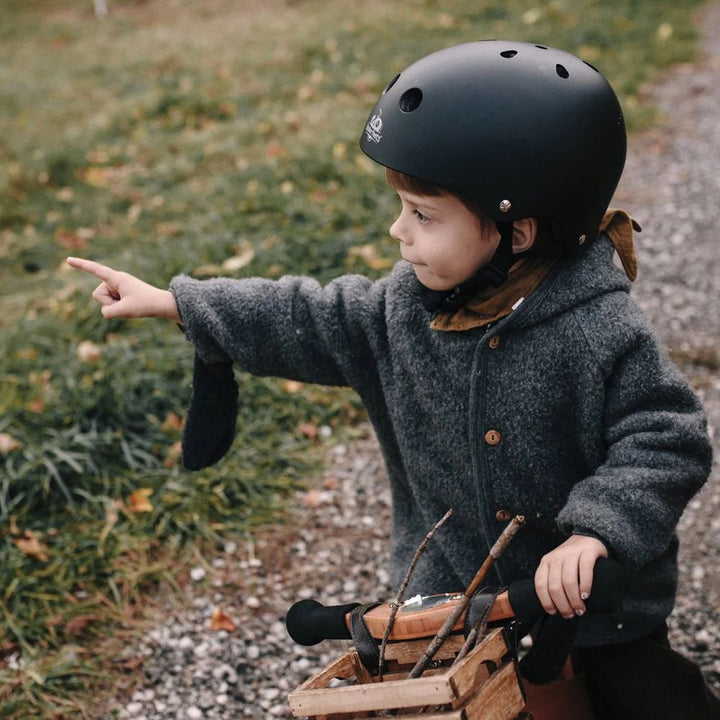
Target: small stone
[197, 574]
[186, 643]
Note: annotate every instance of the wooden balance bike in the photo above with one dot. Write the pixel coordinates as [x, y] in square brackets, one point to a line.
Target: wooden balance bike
[422, 660]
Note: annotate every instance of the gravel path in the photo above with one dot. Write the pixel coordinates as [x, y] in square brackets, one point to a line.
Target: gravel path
[336, 548]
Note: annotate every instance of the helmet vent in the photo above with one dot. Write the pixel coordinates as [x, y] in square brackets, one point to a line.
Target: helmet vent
[562, 72]
[541, 47]
[410, 100]
[391, 83]
[508, 53]
[592, 67]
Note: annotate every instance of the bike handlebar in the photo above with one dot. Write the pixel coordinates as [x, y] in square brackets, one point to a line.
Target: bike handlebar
[309, 622]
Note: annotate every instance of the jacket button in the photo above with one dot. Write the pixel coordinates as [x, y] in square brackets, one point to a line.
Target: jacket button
[503, 515]
[493, 437]
[494, 342]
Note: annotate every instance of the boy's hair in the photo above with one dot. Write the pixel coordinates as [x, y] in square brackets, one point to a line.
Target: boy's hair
[543, 244]
[400, 181]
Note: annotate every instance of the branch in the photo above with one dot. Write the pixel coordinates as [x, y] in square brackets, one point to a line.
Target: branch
[395, 606]
[444, 632]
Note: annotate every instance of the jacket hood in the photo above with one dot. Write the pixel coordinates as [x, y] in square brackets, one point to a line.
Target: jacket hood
[573, 282]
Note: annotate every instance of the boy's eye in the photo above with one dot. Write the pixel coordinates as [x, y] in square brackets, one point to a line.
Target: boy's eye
[421, 217]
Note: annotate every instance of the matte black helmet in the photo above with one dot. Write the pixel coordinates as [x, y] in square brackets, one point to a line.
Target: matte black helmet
[523, 130]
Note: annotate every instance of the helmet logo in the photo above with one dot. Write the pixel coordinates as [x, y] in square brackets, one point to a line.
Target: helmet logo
[373, 130]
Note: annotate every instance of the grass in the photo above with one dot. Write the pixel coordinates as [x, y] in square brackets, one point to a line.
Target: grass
[199, 137]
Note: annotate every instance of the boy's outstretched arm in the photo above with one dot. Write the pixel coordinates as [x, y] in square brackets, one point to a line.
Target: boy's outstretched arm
[564, 578]
[124, 296]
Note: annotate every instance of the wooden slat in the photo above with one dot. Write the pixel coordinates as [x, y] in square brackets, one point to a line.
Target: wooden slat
[470, 672]
[417, 692]
[449, 715]
[409, 651]
[500, 698]
[342, 668]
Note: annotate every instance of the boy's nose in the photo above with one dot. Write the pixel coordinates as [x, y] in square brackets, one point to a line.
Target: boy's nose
[396, 231]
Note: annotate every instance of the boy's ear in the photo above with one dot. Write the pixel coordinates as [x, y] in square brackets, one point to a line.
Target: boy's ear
[524, 234]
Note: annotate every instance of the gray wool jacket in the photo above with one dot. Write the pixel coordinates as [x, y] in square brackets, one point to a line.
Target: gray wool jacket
[573, 416]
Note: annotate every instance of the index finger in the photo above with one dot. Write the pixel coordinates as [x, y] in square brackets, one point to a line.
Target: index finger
[102, 272]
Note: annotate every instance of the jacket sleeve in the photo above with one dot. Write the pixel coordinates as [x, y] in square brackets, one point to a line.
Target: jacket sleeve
[291, 327]
[658, 450]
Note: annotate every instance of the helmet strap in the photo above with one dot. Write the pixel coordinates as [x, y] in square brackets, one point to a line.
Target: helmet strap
[492, 274]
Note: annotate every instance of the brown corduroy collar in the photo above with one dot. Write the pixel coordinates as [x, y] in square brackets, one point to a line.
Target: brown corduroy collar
[492, 304]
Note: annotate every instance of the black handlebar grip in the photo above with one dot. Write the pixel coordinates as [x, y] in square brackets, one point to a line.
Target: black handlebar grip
[309, 622]
[608, 590]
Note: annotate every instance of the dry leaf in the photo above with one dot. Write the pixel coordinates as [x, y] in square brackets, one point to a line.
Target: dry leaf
[139, 500]
[70, 240]
[8, 444]
[88, 352]
[244, 255]
[274, 150]
[133, 663]
[78, 624]
[173, 455]
[112, 515]
[220, 621]
[369, 254]
[309, 430]
[32, 547]
[312, 498]
[36, 406]
[172, 423]
[169, 229]
[293, 386]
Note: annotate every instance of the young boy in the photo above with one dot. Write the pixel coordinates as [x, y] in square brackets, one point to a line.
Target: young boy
[503, 364]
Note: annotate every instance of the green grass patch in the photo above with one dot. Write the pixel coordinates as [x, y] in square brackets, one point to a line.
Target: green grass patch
[211, 137]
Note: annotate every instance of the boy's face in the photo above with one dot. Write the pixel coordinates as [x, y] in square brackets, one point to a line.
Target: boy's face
[443, 240]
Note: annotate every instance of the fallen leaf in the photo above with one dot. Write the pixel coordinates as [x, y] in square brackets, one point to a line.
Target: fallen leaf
[8, 444]
[96, 176]
[309, 430]
[133, 663]
[88, 352]
[172, 423]
[70, 240]
[112, 515]
[293, 386]
[315, 498]
[220, 621]
[139, 500]
[78, 624]
[32, 547]
[312, 498]
[274, 150]
[173, 455]
[36, 406]
[168, 229]
[369, 254]
[244, 255]
[664, 32]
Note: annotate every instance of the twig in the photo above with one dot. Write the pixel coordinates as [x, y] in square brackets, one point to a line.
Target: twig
[395, 606]
[478, 630]
[444, 632]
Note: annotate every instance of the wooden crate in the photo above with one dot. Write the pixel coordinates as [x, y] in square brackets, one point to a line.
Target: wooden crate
[482, 686]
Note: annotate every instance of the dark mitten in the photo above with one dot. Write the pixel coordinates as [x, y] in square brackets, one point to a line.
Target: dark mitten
[551, 647]
[210, 424]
